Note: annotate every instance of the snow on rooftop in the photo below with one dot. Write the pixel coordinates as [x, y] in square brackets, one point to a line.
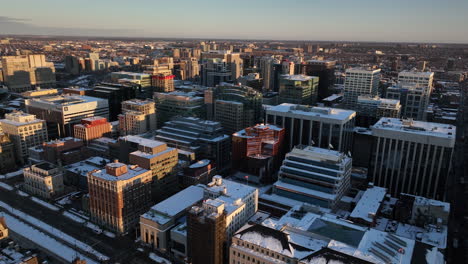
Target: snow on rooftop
[142, 141]
[177, 203]
[410, 126]
[131, 172]
[308, 112]
[297, 77]
[369, 204]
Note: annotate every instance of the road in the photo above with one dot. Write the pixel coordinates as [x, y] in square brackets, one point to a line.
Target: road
[457, 188]
[120, 249]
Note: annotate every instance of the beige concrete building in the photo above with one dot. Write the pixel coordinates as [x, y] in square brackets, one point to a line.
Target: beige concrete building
[118, 195]
[25, 131]
[3, 228]
[137, 117]
[161, 161]
[22, 73]
[164, 82]
[39, 92]
[44, 180]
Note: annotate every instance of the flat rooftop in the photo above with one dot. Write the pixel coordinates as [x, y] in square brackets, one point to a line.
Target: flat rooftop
[307, 111]
[416, 127]
[142, 141]
[64, 100]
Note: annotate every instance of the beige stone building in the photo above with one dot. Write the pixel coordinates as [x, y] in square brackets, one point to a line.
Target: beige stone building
[118, 195]
[162, 162]
[22, 73]
[138, 116]
[3, 228]
[44, 180]
[25, 131]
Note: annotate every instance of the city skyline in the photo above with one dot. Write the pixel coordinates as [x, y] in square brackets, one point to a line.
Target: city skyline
[336, 20]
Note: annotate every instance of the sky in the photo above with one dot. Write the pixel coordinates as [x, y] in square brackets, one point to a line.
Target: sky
[441, 21]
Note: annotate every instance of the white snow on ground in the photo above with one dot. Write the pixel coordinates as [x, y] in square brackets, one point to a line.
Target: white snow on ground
[11, 174]
[38, 237]
[6, 186]
[94, 227]
[74, 217]
[45, 204]
[22, 193]
[52, 231]
[159, 259]
[109, 234]
[64, 201]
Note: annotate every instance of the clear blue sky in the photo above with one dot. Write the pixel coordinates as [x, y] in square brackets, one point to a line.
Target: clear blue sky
[354, 20]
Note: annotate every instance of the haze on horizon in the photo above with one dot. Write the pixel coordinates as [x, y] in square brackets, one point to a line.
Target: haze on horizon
[334, 20]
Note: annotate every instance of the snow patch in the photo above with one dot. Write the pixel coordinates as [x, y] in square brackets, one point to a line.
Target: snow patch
[159, 259]
[45, 204]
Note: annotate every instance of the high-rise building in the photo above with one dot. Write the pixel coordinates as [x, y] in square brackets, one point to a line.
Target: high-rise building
[206, 223]
[163, 82]
[92, 128]
[323, 69]
[22, 73]
[298, 89]
[7, 154]
[317, 126]
[169, 105]
[115, 95]
[161, 161]
[137, 117]
[314, 175]
[44, 180]
[215, 71]
[72, 65]
[233, 61]
[205, 138]
[371, 109]
[235, 106]
[118, 195]
[25, 131]
[360, 82]
[61, 112]
[412, 157]
[414, 91]
[258, 150]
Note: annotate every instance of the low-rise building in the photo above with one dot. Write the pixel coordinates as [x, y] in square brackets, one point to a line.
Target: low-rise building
[44, 180]
[92, 128]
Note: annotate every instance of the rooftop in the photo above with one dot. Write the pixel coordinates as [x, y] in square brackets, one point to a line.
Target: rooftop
[416, 127]
[133, 171]
[142, 141]
[307, 111]
[369, 204]
[297, 77]
[65, 100]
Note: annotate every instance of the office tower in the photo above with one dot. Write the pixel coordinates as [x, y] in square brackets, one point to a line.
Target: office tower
[157, 225]
[118, 195]
[215, 71]
[115, 95]
[414, 91]
[298, 89]
[371, 109]
[92, 128]
[163, 82]
[192, 69]
[206, 223]
[143, 79]
[72, 65]
[225, 62]
[287, 67]
[161, 160]
[205, 138]
[7, 154]
[169, 105]
[252, 80]
[323, 69]
[360, 82]
[235, 106]
[61, 112]
[234, 203]
[412, 157]
[316, 126]
[25, 131]
[314, 175]
[22, 73]
[199, 172]
[176, 53]
[44, 180]
[258, 150]
[137, 117]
